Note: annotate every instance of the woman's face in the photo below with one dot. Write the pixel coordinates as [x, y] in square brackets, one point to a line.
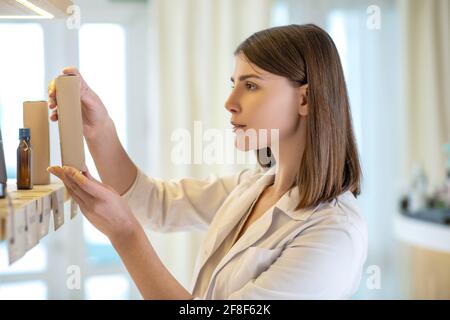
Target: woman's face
[260, 102]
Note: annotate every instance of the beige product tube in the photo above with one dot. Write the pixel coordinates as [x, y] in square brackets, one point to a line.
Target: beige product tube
[35, 117]
[70, 122]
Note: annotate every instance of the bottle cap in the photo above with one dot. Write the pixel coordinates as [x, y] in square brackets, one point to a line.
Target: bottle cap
[24, 133]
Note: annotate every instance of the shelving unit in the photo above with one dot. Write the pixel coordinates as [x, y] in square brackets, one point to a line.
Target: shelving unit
[26, 215]
[427, 248]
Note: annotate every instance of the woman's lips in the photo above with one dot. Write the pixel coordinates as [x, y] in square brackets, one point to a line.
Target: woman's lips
[237, 126]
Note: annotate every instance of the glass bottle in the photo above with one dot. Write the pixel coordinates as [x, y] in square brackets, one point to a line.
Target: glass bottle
[24, 160]
[3, 176]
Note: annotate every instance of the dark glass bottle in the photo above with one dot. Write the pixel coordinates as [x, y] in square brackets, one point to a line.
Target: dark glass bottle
[24, 160]
[3, 177]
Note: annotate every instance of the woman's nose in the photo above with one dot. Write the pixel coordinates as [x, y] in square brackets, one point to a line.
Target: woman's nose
[232, 105]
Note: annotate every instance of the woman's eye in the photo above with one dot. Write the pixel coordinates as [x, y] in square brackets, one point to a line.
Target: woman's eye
[250, 86]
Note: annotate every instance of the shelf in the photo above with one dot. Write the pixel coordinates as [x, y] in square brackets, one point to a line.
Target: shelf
[421, 233]
[425, 255]
[25, 216]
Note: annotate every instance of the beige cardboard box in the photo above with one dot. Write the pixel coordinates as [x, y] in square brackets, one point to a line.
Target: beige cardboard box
[70, 122]
[35, 117]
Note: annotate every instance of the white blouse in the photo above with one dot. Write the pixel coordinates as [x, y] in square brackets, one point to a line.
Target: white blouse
[316, 253]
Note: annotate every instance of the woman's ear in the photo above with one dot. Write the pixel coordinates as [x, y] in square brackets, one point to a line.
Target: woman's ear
[303, 100]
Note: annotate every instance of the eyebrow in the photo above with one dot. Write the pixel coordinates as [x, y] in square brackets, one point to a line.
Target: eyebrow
[247, 76]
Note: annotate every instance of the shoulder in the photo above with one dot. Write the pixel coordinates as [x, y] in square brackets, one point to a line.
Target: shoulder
[344, 210]
[329, 248]
[342, 216]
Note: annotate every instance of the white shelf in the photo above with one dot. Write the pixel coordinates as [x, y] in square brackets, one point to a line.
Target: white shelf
[25, 216]
[421, 233]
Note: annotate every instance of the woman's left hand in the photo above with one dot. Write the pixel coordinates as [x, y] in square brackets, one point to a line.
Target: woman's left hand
[100, 203]
[109, 213]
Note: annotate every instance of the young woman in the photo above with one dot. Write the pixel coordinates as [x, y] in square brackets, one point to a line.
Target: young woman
[290, 229]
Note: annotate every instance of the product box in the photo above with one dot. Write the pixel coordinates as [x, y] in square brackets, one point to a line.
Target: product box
[70, 122]
[35, 117]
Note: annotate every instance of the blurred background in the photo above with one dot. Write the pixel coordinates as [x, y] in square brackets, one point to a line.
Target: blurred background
[160, 65]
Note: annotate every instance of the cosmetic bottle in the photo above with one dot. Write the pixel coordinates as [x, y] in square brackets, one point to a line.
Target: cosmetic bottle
[3, 176]
[418, 191]
[24, 160]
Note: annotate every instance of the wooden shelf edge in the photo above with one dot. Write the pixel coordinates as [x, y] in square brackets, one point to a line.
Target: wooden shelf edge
[31, 217]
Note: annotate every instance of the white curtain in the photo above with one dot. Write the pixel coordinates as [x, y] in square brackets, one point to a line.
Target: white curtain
[427, 81]
[191, 46]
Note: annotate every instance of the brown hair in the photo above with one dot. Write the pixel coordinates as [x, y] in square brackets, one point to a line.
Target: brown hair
[306, 54]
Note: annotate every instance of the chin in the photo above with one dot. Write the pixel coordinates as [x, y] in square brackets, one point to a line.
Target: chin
[245, 145]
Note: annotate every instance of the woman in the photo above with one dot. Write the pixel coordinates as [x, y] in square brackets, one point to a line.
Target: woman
[290, 229]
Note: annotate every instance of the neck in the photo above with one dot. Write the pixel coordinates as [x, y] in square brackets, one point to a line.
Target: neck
[288, 156]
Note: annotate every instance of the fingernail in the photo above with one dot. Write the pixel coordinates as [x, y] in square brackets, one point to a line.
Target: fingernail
[79, 177]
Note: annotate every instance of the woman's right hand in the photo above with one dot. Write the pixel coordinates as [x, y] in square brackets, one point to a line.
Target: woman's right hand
[94, 114]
